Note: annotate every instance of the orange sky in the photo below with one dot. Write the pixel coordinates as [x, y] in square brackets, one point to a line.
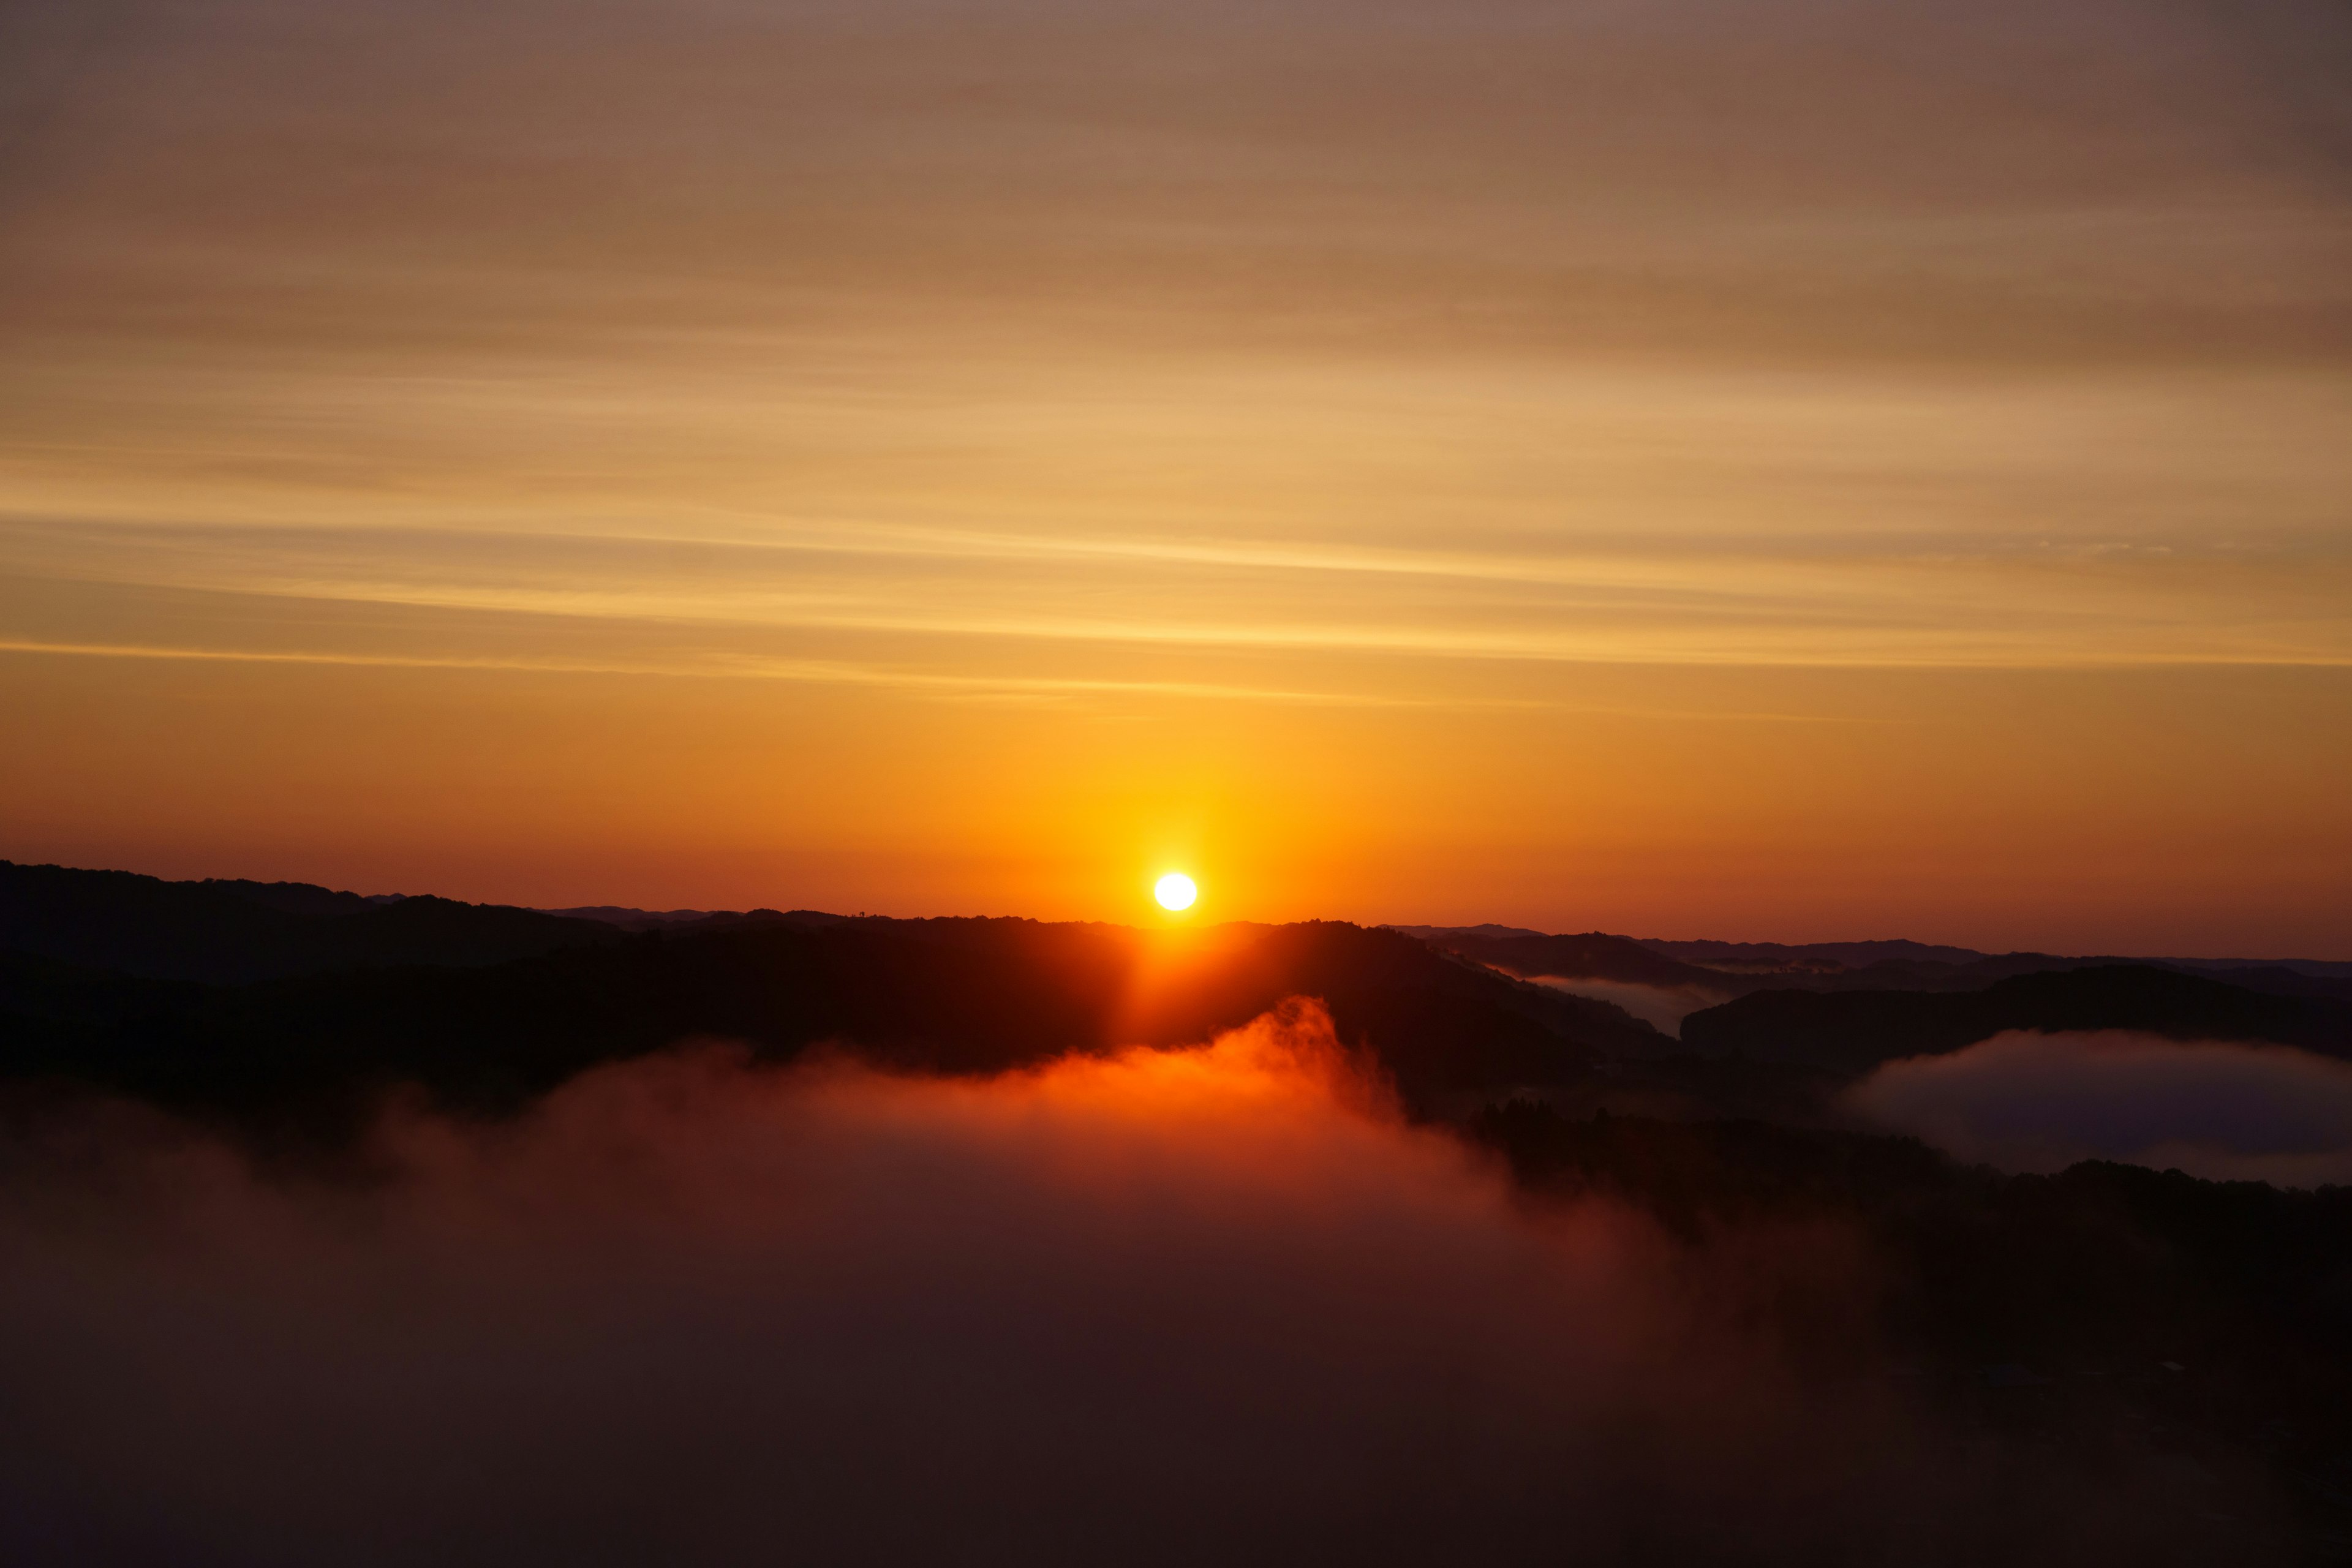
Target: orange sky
[1786, 470]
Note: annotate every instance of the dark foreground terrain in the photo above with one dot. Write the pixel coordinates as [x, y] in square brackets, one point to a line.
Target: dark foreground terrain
[2183, 1347]
[149, 998]
[2192, 1339]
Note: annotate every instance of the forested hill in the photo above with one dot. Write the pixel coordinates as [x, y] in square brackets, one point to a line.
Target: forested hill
[224, 932]
[1723, 969]
[1852, 1031]
[939, 996]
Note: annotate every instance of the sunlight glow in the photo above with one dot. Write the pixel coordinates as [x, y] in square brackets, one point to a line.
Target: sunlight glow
[1175, 891]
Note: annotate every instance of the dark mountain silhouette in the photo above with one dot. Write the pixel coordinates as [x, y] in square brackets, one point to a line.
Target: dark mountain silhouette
[2277, 980]
[632, 920]
[2107, 1301]
[2125, 1317]
[1898, 965]
[696, 920]
[795, 920]
[951, 995]
[293, 898]
[1778, 957]
[1910, 974]
[1853, 1031]
[1736, 969]
[1747, 967]
[1593, 955]
[45, 994]
[229, 932]
[238, 994]
[1740, 969]
[1436, 934]
[1931, 974]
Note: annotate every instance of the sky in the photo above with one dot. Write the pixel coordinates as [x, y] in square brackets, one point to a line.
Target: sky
[1789, 469]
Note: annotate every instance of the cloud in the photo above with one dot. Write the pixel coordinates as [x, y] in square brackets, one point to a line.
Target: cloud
[2039, 1102]
[1207, 1305]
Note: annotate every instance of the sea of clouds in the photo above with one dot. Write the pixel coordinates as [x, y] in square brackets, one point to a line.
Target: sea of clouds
[1213, 1305]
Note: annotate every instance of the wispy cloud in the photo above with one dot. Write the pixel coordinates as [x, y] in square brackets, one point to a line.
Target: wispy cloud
[746, 668]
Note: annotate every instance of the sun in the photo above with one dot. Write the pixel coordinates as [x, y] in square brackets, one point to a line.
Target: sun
[1175, 891]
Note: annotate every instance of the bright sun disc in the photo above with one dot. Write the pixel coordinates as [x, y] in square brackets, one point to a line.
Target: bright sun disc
[1175, 891]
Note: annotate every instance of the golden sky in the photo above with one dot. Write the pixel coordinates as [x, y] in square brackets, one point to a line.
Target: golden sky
[1779, 469]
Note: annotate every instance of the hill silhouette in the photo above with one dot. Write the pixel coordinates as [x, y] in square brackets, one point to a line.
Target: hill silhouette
[1732, 969]
[944, 996]
[240, 996]
[1853, 1031]
[2107, 1300]
[1591, 955]
[224, 932]
[2069, 1308]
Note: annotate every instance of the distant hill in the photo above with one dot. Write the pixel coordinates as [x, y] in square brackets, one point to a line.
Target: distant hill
[700, 920]
[2119, 1292]
[1438, 934]
[1771, 957]
[1734, 969]
[1593, 955]
[1738, 968]
[238, 995]
[229, 932]
[1852, 1031]
[954, 995]
[629, 919]
[1913, 966]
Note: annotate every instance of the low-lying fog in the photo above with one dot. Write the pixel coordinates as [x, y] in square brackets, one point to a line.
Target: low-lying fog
[1215, 1305]
[1664, 1008]
[2027, 1101]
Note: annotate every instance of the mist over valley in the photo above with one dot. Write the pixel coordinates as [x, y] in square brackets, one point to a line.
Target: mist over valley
[463, 1231]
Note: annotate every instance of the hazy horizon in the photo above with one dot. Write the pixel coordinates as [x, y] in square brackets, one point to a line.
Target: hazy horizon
[1160, 919]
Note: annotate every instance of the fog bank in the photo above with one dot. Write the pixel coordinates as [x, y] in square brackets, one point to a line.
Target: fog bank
[1207, 1305]
[2027, 1101]
[1662, 1007]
